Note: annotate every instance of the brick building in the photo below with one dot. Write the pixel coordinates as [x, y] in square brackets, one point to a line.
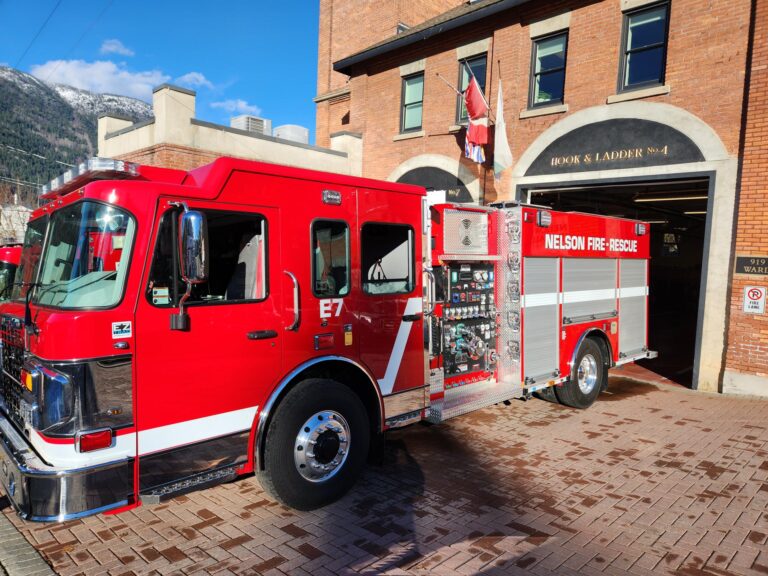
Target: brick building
[651, 109]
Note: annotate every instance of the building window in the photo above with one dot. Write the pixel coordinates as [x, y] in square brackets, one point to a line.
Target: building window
[478, 65]
[548, 70]
[413, 101]
[330, 268]
[387, 259]
[644, 55]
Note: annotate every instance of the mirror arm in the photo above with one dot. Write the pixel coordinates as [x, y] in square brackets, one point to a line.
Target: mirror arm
[183, 205]
[180, 321]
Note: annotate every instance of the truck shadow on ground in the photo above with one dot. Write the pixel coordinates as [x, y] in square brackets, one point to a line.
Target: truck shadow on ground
[446, 490]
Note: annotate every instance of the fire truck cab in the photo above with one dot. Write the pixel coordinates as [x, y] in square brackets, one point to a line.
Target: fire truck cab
[173, 330]
[10, 255]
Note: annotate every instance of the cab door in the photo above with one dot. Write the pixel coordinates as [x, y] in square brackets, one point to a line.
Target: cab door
[391, 315]
[317, 262]
[198, 390]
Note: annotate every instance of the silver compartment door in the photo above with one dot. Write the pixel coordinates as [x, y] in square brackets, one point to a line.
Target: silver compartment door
[541, 326]
[589, 289]
[633, 296]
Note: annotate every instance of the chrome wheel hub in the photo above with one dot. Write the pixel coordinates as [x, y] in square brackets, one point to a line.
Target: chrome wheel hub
[321, 446]
[587, 374]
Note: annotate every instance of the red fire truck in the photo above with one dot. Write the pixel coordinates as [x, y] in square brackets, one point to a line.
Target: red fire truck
[10, 256]
[173, 330]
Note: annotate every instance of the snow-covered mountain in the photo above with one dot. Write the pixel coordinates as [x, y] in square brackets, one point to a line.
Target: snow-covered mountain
[44, 126]
[89, 103]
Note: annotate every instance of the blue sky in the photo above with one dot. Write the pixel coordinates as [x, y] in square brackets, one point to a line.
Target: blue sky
[240, 57]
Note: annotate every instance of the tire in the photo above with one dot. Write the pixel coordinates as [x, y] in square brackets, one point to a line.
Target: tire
[305, 463]
[588, 377]
[547, 394]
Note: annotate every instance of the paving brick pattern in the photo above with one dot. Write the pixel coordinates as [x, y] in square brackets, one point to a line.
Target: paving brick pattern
[17, 557]
[651, 480]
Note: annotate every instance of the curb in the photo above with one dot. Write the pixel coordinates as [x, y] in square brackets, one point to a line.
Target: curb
[17, 556]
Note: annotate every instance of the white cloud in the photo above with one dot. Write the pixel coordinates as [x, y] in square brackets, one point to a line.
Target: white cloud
[101, 76]
[239, 106]
[114, 46]
[194, 80]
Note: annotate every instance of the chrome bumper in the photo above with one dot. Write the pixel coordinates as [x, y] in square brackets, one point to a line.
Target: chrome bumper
[45, 493]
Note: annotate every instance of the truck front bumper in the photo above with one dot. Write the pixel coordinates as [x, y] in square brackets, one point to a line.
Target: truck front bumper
[46, 493]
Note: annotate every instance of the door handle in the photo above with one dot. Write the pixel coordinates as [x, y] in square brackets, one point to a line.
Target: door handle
[411, 317]
[296, 310]
[262, 335]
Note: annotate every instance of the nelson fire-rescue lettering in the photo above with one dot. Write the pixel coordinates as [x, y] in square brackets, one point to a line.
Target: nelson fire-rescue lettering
[588, 243]
[169, 341]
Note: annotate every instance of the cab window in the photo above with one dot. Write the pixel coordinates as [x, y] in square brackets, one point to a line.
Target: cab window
[330, 258]
[238, 266]
[387, 259]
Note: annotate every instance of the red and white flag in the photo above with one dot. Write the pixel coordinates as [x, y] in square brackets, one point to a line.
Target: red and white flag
[477, 110]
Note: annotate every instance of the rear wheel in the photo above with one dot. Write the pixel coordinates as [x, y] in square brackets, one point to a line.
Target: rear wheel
[588, 376]
[547, 394]
[316, 444]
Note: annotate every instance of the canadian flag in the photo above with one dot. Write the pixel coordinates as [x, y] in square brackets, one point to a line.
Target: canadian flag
[477, 110]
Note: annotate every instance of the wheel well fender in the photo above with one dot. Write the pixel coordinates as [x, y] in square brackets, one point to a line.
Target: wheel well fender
[342, 370]
[601, 338]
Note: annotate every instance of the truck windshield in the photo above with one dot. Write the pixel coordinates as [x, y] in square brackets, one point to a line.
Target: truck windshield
[30, 257]
[85, 258]
[7, 272]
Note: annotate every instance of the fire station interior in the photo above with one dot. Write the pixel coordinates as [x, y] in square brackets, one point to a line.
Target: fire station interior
[677, 213]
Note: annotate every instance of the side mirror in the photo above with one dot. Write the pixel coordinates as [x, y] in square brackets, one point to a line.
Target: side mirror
[193, 247]
[193, 259]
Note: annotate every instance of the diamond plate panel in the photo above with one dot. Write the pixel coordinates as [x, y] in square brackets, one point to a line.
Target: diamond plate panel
[465, 232]
[463, 399]
[436, 386]
[508, 297]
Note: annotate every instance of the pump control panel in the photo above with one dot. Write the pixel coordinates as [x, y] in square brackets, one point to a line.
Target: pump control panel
[469, 318]
[470, 292]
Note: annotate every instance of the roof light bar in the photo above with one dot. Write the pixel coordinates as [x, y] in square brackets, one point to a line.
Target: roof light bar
[91, 169]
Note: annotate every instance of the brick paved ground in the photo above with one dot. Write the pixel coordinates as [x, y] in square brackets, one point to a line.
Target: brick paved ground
[652, 479]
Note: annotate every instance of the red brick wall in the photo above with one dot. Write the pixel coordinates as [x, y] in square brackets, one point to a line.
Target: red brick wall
[748, 333]
[349, 26]
[171, 156]
[705, 70]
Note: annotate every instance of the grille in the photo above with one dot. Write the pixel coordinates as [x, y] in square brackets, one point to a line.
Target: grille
[12, 360]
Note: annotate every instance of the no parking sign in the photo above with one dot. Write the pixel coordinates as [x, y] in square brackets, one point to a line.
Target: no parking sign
[754, 300]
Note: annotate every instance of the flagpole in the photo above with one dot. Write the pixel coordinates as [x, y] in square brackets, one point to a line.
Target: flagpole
[451, 86]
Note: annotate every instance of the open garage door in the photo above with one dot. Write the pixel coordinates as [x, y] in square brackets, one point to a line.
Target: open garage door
[677, 212]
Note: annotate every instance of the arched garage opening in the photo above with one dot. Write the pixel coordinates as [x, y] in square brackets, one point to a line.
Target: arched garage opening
[661, 164]
[437, 180]
[445, 179]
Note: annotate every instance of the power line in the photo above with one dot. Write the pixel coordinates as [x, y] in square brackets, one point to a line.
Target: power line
[36, 35]
[77, 42]
[28, 153]
[20, 182]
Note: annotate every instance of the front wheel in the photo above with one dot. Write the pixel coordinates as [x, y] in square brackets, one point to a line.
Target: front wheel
[316, 444]
[588, 376]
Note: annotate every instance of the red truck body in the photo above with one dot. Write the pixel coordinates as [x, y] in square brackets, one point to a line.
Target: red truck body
[330, 308]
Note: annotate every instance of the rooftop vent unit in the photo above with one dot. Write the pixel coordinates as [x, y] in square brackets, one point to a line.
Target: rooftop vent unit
[252, 124]
[293, 133]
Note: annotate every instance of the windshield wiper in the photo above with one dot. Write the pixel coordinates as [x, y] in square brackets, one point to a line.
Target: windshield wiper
[29, 324]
